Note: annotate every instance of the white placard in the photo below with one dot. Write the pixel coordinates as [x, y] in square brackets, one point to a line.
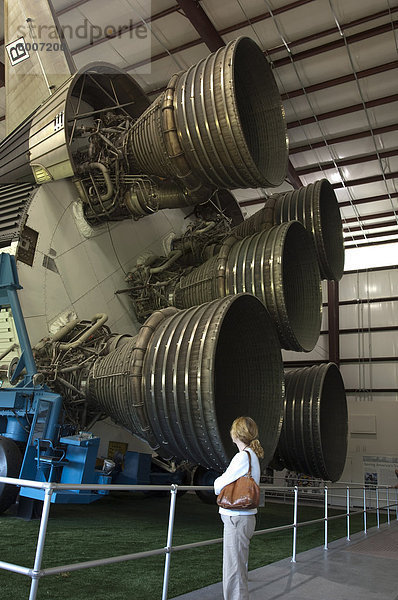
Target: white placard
[17, 51]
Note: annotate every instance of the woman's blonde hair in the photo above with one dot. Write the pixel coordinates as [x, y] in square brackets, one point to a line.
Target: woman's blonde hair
[246, 430]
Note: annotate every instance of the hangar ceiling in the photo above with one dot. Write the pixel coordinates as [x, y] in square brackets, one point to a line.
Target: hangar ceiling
[335, 62]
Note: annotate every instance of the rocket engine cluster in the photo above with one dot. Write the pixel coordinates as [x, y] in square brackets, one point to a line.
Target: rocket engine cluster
[229, 294]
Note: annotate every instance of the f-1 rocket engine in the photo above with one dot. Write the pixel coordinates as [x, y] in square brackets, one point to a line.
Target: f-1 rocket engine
[218, 125]
[180, 382]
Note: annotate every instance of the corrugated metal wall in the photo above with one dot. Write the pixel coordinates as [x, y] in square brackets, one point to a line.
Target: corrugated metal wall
[368, 314]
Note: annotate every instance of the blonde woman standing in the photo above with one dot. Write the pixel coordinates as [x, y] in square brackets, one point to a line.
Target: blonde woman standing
[239, 524]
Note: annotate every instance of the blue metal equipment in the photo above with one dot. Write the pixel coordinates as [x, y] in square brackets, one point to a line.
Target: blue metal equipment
[35, 440]
[31, 421]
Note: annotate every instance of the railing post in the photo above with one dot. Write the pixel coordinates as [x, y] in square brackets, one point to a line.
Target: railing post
[388, 507]
[364, 510]
[348, 513]
[40, 544]
[295, 524]
[326, 517]
[173, 498]
[377, 508]
[396, 504]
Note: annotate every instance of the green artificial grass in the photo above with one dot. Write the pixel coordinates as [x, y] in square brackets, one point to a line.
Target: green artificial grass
[127, 523]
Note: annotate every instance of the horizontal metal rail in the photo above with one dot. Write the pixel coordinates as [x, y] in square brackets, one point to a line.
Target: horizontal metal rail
[99, 562]
[49, 487]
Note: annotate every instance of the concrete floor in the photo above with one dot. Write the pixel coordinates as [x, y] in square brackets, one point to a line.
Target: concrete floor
[363, 569]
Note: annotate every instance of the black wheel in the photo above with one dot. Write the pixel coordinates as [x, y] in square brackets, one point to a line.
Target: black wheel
[204, 476]
[10, 466]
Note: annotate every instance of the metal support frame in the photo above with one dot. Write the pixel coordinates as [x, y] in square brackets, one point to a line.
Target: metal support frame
[377, 508]
[40, 544]
[295, 524]
[348, 513]
[9, 284]
[325, 547]
[333, 322]
[396, 504]
[169, 541]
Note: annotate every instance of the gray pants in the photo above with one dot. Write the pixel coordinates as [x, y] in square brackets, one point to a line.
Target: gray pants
[238, 532]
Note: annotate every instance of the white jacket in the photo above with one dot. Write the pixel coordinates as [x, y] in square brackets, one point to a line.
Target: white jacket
[238, 467]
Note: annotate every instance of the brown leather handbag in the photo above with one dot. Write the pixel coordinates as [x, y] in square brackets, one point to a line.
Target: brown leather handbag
[243, 493]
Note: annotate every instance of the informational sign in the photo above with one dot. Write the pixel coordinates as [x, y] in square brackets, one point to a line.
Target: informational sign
[380, 470]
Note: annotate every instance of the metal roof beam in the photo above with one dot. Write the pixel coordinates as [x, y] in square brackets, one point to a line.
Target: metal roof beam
[293, 177]
[344, 204]
[197, 42]
[201, 22]
[343, 138]
[196, 7]
[323, 85]
[332, 30]
[343, 162]
[67, 9]
[368, 200]
[128, 29]
[371, 236]
[379, 243]
[383, 215]
[390, 223]
[264, 16]
[343, 111]
[339, 43]
[365, 180]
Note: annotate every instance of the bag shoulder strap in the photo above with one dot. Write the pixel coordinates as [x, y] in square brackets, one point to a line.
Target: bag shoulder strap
[249, 473]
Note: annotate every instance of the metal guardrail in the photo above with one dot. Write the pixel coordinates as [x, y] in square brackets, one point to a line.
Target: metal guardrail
[36, 573]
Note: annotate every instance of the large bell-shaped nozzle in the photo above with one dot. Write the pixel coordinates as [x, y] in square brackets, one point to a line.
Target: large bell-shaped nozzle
[188, 374]
[279, 266]
[220, 124]
[313, 439]
[316, 207]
